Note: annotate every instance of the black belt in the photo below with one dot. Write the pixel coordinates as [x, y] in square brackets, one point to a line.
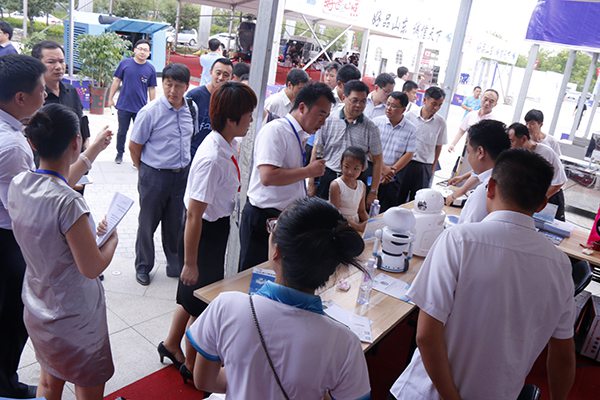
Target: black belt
[422, 163]
[174, 170]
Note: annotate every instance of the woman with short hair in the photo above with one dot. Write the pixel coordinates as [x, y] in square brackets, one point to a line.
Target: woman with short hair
[278, 343]
[212, 187]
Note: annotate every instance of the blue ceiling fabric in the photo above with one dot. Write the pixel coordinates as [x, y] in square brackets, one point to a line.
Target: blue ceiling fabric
[566, 22]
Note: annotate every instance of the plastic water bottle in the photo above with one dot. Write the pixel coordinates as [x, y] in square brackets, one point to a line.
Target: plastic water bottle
[374, 210]
[364, 291]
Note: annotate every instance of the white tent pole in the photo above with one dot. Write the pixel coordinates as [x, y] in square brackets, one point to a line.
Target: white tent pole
[563, 89]
[312, 31]
[364, 48]
[71, 35]
[533, 52]
[326, 48]
[582, 98]
[25, 18]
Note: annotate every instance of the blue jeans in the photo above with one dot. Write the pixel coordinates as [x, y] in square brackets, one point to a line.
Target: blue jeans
[125, 118]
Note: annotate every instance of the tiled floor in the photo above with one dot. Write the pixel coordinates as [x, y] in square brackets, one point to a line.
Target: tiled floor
[139, 317]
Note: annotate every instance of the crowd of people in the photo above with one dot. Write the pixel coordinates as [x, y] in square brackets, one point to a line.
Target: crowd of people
[327, 151]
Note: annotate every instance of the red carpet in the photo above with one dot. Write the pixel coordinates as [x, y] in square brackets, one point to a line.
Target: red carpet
[587, 378]
[164, 384]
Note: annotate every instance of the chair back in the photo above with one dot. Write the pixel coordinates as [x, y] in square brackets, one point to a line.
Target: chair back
[582, 275]
[530, 392]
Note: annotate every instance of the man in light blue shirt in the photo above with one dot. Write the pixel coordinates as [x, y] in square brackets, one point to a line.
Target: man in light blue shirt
[207, 60]
[472, 103]
[160, 149]
[398, 143]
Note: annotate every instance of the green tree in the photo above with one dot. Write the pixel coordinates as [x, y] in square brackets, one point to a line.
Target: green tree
[188, 17]
[35, 8]
[138, 9]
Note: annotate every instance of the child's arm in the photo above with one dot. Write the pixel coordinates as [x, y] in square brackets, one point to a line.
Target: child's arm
[335, 195]
[362, 214]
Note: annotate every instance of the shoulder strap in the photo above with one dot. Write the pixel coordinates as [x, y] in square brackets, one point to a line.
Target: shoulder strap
[264, 346]
[192, 106]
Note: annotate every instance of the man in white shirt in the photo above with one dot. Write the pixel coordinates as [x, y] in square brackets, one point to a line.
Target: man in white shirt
[410, 88]
[346, 73]
[534, 119]
[520, 139]
[207, 60]
[488, 102]
[401, 77]
[492, 295]
[485, 141]
[279, 171]
[280, 103]
[431, 136]
[384, 85]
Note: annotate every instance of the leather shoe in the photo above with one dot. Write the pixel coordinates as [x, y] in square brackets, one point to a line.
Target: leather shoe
[143, 278]
[173, 272]
[25, 392]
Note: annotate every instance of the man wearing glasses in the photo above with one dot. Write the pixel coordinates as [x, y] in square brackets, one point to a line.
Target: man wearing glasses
[345, 127]
[398, 142]
[384, 85]
[139, 83]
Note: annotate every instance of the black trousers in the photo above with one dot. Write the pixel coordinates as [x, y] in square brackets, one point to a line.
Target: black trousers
[330, 175]
[414, 177]
[161, 200]
[254, 238]
[389, 195]
[124, 118]
[211, 263]
[558, 198]
[13, 334]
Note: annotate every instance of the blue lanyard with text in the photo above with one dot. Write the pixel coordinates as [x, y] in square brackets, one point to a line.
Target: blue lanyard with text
[53, 173]
[302, 151]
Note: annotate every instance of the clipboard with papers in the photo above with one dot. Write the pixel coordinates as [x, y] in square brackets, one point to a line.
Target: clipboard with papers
[119, 206]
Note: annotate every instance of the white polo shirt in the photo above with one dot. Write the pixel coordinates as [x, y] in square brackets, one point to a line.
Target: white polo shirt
[473, 117]
[559, 177]
[475, 209]
[551, 142]
[311, 352]
[502, 290]
[276, 144]
[15, 157]
[213, 178]
[430, 133]
[278, 104]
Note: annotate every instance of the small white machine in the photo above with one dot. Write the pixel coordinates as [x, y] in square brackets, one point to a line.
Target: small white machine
[396, 239]
[429, 216]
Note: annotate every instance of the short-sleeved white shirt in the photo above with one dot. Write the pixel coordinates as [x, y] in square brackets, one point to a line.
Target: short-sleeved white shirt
[430, 133]
[474, 117]
[559, 177]
[279, 104]
[276, 144]
[502, 290]
[15, 157]
[311, 352]
[371, 110]
[213, 178]
[475, 209]
[551, 142]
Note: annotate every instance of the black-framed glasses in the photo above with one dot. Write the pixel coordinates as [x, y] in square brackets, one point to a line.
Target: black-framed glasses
[271, 225]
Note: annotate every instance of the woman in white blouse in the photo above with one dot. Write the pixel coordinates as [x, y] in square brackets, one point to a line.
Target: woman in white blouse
[212, 188]
[278, 343]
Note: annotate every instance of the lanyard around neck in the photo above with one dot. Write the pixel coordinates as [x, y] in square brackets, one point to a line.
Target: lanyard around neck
[237, 167]
[50, 172]
[302, 151]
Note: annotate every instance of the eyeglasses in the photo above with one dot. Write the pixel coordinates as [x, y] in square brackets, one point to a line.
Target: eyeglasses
[271, 225]
[142, 49]
[393, 106]
[355, 102]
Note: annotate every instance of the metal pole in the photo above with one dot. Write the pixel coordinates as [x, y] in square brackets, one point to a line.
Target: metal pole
[71, 35]
[563, 89]
[230, 27]
[452, 69]
[312, 31]
[533, 52]
[364, 48]
[177, 16]
[327, 47]
[582, 98]
[110, 7]
[24, 18]
[593, 109]
[415, 76]
[259, 74]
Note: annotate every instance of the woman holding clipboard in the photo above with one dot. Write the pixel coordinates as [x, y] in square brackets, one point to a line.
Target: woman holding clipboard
[65, 311]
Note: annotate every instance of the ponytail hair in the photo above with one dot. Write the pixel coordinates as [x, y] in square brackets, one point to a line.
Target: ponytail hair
[314, 239]
[51, 130]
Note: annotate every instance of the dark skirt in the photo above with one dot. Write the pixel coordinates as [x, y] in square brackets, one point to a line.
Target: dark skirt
[211, 264]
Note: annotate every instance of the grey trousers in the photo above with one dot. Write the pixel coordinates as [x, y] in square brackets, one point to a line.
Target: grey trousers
[161, 200]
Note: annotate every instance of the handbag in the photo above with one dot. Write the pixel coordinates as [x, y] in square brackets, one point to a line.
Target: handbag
[264, 346]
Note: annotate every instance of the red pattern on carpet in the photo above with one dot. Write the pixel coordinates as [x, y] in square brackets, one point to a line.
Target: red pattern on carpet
[164, 384]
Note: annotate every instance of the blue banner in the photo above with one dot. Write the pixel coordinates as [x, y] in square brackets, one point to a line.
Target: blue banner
[567, 22]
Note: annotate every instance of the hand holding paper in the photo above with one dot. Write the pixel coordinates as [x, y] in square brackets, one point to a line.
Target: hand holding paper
[119, 206]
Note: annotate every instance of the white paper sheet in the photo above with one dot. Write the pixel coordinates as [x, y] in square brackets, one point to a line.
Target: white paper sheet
[391, 286]
[361, 326]
[119, 206]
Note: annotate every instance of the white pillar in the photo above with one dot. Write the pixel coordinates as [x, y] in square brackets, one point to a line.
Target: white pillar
[563, 89]
[275, 39]
[533, 52]
[204, 23]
